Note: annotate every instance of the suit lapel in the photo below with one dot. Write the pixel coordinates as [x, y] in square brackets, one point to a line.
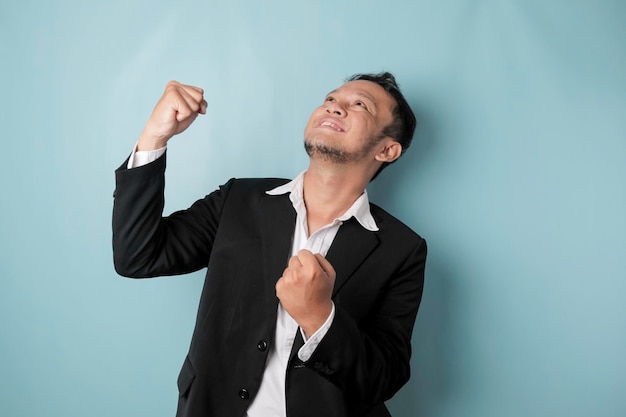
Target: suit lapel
[351, 247]
[278, 223]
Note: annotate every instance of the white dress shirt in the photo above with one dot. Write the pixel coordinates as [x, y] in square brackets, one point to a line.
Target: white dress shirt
[270, 400]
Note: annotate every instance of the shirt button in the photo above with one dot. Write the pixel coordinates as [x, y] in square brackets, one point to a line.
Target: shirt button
[244, 394]
[262, 345]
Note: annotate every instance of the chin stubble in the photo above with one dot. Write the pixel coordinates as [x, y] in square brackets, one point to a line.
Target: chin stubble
[326, 152]
[330, 153]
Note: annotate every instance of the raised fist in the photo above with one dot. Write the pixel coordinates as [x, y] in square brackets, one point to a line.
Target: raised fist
[177, 108]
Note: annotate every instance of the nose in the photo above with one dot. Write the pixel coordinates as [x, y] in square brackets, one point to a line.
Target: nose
[336, 109]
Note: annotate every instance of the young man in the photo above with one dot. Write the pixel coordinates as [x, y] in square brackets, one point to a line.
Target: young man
[311, 292]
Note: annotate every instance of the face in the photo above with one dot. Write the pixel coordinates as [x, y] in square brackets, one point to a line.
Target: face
[349, 125]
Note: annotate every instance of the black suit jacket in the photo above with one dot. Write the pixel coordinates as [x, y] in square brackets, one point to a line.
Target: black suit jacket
[244, 238]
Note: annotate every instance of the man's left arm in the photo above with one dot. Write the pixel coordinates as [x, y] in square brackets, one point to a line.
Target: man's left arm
[369, 359]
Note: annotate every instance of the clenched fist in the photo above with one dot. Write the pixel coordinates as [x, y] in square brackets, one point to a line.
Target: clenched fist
[177, 108]
[305, 290]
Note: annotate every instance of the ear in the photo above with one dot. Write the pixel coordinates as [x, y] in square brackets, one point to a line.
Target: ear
[390, 151]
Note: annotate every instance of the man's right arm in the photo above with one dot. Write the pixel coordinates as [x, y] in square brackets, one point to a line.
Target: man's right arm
[144, 243]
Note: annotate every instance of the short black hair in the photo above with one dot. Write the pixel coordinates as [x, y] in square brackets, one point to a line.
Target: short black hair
[403, 125]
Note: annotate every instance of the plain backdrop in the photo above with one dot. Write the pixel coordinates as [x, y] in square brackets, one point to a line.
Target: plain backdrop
[515, 178]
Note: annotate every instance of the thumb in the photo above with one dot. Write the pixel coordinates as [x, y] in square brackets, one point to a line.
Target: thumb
[326, 266]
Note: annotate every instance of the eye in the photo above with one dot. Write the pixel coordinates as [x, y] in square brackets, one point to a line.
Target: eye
[360, 103]
[330, 99]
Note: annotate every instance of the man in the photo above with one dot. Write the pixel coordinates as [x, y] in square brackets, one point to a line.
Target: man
[311, 293]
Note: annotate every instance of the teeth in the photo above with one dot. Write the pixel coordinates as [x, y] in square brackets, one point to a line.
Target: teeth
[329, 124]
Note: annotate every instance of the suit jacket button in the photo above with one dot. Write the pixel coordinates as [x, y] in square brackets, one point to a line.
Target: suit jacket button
[262, 346]
[244, 394]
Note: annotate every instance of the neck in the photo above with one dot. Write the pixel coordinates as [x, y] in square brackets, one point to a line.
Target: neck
[329, 192]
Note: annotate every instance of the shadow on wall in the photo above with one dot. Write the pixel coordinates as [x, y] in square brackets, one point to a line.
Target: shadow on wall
[431, 381]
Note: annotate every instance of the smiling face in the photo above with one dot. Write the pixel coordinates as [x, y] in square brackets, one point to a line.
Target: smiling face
[349, 125]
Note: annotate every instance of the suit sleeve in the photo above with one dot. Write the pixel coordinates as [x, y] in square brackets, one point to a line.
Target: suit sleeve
[369, 359]
[145, 244]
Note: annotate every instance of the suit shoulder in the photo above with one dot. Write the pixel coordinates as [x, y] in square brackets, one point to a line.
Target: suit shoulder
[251, 189]
[260, 184]
[389, 224]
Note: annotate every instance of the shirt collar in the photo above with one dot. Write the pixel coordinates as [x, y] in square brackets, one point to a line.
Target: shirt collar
[360, 209]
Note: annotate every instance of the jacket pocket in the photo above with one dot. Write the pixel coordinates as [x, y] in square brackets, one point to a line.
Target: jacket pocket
[186, 377]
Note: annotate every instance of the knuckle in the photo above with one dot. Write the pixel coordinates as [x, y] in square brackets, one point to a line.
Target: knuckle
[172, 84]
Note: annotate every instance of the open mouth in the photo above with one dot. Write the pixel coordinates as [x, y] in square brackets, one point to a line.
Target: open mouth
[331, 124]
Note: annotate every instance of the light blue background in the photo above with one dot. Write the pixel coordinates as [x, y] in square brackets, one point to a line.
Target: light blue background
[516, 179]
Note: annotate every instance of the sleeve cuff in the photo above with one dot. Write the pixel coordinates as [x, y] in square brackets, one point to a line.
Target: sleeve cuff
[141, 158]
[310, 344]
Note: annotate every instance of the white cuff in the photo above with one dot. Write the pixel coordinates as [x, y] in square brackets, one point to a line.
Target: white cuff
[305, 352]
[141, 158]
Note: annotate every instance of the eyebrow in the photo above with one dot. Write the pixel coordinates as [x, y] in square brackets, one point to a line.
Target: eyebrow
[362, 94]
